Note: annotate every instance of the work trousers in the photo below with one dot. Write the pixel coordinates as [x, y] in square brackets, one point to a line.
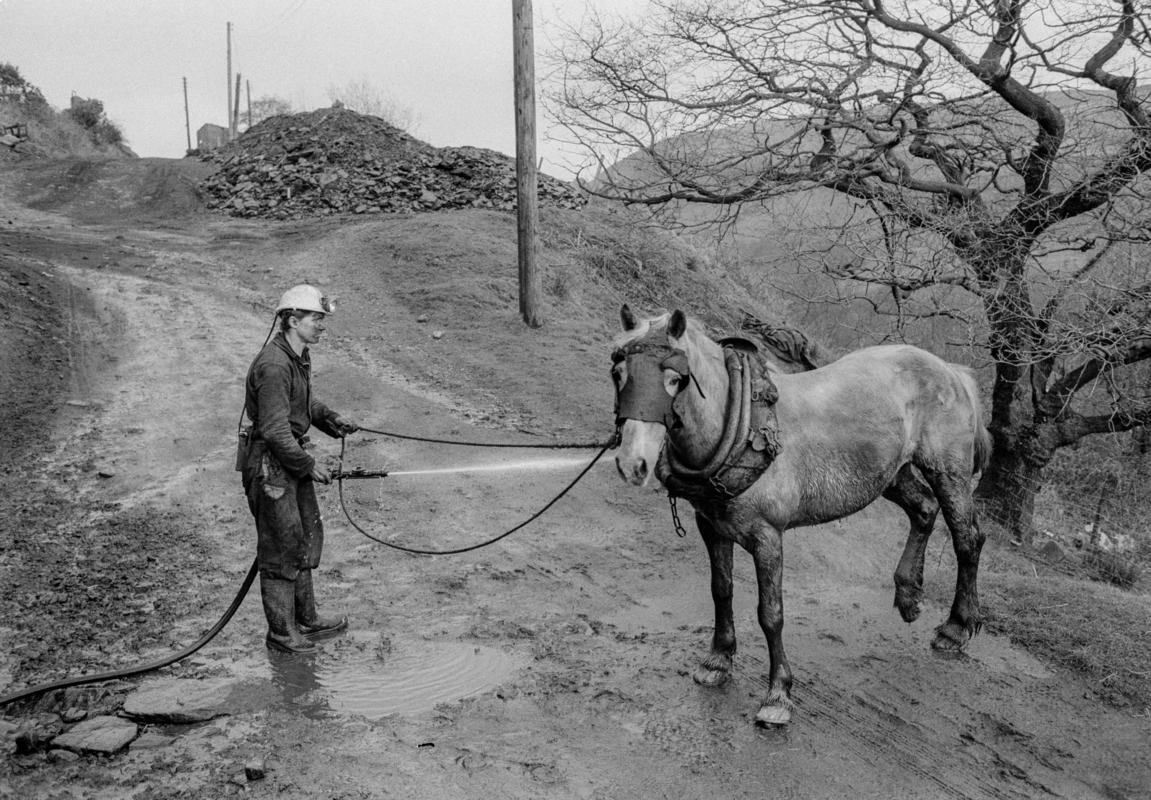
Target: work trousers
[289, 532]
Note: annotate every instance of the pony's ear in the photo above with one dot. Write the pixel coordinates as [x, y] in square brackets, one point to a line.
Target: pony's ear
[627, 318]
[677, 325]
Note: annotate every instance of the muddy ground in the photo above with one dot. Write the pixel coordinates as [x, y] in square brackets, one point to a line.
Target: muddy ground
[554, 664]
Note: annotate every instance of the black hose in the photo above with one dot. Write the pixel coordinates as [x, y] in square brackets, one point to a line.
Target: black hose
[463, 443]
[342, 476]
[128, 672]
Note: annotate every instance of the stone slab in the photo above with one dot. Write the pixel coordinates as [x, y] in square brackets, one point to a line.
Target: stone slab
[97, 735]
[186, 700]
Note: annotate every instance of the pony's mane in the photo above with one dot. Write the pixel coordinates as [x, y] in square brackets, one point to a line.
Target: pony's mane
[642, 329]
[645, 326]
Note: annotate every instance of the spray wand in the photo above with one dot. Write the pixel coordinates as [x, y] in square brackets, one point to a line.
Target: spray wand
[351, 474]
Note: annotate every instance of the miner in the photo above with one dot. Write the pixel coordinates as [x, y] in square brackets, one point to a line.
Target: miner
[279, 474]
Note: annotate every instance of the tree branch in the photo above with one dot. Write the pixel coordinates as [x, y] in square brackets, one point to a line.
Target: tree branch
[1057, 400]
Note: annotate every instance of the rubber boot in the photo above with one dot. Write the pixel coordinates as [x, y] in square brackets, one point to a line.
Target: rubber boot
[279, 598]
[311, 624]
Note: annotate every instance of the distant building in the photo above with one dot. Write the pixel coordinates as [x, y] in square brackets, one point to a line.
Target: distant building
[211, 137]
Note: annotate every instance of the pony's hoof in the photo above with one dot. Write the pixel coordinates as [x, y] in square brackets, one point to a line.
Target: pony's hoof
[773, 715]
[909, 613]
[950, 638]
[710, 676]
[907, 604]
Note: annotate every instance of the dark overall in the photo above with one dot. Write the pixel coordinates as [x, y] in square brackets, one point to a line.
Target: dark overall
[276, 470]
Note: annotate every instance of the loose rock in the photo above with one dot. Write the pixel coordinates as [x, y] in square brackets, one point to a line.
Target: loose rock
[255, 769]
[34, 734]
[150, 740]
[61, 756]
[176, 700]
[334, 161]
[98, 735]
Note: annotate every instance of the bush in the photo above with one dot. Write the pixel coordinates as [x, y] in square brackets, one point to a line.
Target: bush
[14, 89]
[88, 113]
[107, 133]
[10, 75]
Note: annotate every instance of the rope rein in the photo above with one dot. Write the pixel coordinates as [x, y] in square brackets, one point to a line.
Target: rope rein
[342, 476]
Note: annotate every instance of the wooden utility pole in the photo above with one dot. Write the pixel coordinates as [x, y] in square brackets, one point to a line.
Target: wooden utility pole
[527, 207]
[248, 91]
[187, 118]
[236, 111]
[231, 130]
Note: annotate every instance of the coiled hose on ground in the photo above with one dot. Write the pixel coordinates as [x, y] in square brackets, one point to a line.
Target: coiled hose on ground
[127, 672]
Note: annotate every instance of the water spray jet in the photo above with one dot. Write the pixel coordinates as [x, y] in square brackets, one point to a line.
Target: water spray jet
[515, 466]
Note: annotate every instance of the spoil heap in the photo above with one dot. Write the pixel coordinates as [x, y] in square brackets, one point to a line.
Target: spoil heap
[335, 161]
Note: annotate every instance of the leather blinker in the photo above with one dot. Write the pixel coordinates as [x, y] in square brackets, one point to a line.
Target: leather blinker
[642, 395]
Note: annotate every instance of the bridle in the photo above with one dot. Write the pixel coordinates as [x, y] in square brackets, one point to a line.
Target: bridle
[642, 395]
[748, 442]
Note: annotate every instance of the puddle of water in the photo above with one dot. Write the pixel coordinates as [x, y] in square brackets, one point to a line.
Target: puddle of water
[372, 676]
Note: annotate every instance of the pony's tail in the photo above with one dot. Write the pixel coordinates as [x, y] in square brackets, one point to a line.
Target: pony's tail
[982, 436]
[982, 446]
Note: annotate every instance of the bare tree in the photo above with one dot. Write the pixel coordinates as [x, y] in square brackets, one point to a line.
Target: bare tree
[268, 106]
[996, 149]
[364, 97]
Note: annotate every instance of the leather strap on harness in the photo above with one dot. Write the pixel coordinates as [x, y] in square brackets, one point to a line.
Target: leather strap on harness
[750, 440]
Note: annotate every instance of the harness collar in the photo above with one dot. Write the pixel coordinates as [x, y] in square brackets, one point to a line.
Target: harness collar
[748, 445]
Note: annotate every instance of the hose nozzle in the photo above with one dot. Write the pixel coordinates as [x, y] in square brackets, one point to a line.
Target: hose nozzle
[353, 474]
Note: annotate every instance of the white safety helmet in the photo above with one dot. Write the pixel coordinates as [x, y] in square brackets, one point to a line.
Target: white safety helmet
[305, 297]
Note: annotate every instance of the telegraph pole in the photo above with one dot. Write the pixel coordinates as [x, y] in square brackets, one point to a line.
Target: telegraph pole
[187, 118]
[527, 210]
[231, 130]
[248, 89]
[236, 111]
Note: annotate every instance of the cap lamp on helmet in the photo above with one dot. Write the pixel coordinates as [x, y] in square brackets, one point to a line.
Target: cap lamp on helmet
[305, 297]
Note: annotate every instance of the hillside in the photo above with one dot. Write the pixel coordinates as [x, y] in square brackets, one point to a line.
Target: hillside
[52, 134]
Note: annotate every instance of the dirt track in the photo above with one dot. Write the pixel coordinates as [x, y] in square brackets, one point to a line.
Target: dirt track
[129, 536]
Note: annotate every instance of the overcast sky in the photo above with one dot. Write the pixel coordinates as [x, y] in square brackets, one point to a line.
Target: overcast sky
[446, 62]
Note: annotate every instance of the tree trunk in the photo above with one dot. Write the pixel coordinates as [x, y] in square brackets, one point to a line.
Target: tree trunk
[1142, 447]
[1010, 485]
[1014, 478]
